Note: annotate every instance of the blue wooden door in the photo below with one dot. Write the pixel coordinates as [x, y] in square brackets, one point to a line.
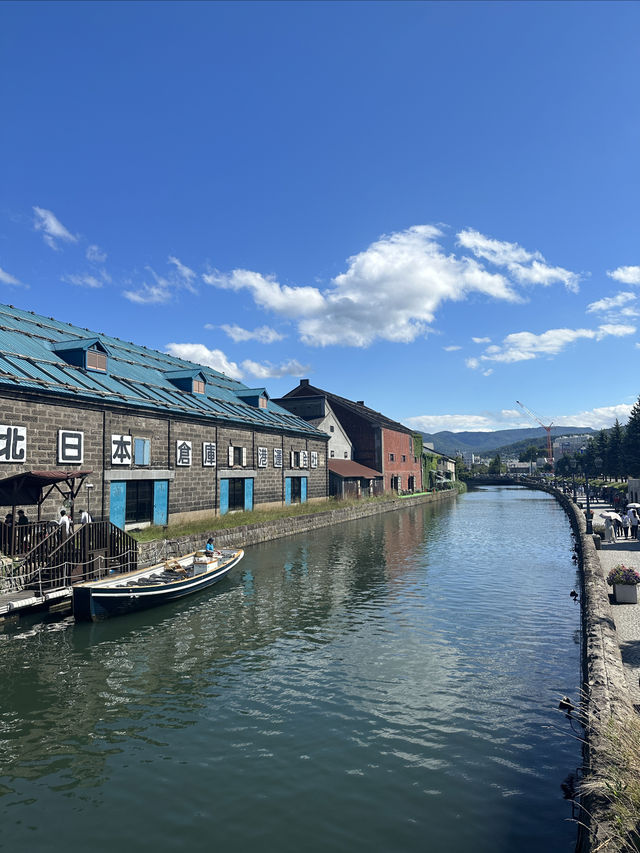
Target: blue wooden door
[118, 504]
[160, 502]
[287, 490]
[224, 497]
[248, 494]
[303, 490]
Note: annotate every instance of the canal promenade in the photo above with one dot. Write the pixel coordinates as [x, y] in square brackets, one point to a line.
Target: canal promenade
[626, 616]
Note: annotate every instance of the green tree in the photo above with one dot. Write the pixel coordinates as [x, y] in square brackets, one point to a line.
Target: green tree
[495, 466]
[601, 453]
[631, 443]
[530, 454]
[615, 452]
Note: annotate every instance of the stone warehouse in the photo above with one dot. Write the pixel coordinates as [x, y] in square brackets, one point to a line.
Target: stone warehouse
[156, 438]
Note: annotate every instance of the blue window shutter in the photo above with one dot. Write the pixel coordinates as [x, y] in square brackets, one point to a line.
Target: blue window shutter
[160, 502]
[248, 494]
[118, 503]
[303, 490]
[287, 490]
[224, 497]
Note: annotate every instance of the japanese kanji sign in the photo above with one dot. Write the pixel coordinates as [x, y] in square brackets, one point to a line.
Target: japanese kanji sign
[263, 455]
[13, 443]
[121, 449]
[183, 452]
[209, 454]
[314, 459]
[304, 459]
[70, 446]
[277, 457]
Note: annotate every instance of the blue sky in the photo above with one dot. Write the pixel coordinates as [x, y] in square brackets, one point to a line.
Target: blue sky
[431, 207]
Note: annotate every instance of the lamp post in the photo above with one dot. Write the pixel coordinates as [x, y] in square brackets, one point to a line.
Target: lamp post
[573, 465]
[597, 463]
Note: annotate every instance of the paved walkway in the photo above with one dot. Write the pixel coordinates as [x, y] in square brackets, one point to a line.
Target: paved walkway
[626, 616]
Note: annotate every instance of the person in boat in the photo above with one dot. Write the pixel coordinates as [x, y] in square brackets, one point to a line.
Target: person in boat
[210, 546]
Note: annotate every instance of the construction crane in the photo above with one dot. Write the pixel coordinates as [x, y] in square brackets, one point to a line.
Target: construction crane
[544, 427]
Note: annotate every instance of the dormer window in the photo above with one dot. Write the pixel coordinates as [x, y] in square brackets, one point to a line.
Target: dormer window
[87, 353]
[96, 360]
[191, 380]
[257, 397]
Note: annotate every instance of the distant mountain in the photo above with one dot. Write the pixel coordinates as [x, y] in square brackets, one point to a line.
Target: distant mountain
[486, 442]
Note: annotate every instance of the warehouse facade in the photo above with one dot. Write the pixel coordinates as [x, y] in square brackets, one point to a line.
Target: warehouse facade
[163, 439]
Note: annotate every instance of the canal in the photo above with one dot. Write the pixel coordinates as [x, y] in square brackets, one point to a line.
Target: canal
[389, 684]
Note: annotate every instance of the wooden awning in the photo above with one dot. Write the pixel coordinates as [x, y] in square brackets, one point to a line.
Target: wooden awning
[27, 489]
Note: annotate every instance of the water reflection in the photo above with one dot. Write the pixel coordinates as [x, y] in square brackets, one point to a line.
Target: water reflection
[348, 657]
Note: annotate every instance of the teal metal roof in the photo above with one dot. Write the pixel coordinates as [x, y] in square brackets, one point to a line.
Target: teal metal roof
[32, 349]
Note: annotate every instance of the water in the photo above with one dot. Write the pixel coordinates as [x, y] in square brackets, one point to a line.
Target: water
[384, 685]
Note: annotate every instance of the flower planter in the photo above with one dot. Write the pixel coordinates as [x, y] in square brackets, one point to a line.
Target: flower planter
[625, 593]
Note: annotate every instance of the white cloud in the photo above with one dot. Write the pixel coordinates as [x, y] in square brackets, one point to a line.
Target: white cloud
[263, 334]
[89, 281]
[53, 230]
[526, 267]
[453, 423]
[598, 418]
[524, 346]
[393, 289]
[7, 278]
[611, 303]
[200, 354]
[184, 272]
[626, 275]
[390, 291]
[267, 293]
[481, 340]
[95, 255]
[452, 348]
[165, 287]
[148, 294]
[272, 371]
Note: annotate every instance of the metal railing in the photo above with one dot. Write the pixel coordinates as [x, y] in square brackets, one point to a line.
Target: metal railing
[58, 561]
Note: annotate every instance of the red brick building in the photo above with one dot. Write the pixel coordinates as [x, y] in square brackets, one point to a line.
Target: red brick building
[378, 442]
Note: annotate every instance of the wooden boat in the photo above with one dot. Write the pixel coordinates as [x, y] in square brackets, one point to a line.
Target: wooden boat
[167, 581]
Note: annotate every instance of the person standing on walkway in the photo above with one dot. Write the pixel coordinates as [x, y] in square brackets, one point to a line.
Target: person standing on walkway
[65, 523]
[625, 525]
[633, 523]
[609, 535]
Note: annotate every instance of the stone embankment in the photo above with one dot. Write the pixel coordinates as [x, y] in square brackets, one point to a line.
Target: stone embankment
[252, 534]
[606, 695]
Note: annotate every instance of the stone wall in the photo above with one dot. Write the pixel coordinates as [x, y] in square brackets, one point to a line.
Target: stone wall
[251, 534]
[605, 693]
